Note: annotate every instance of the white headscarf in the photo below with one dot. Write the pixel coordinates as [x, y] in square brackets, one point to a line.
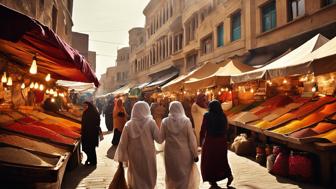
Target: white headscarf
[177, 117]
[140, 116]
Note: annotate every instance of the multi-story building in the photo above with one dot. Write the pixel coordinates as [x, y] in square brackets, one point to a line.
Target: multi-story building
[163, 40]
[187, 33]
[80, 41]
[110, 79]
[119, 75]
[57, 15]
[259, 30]
[92, 60]
[123, 66]
[137, 39]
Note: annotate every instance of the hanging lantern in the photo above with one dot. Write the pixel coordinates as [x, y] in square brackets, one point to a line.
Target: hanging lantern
[41, 87]
[4, 78]
[47, 91]
[51, 91]
[33, 67]
[48, 77]
[9, 82]
[23, 86]
[55, 94]
[52, 100]
[285, 81]
[36, 86]
[31, 85]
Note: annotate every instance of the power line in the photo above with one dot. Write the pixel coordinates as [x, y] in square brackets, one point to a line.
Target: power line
[108, 42]
[107, 31]
[106, 55]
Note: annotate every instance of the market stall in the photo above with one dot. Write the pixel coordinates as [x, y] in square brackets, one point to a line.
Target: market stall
[220, 77]
[36, 147]
[177, 84]
[298, 105]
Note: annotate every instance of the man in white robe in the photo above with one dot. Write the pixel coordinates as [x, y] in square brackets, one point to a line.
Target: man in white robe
[180, 149]
[137, 147]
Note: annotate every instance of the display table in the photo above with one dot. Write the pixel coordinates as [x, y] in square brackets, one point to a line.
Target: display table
[326, 152]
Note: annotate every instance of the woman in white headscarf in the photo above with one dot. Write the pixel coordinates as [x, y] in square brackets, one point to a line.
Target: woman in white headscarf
[180, 150]
[136, 147]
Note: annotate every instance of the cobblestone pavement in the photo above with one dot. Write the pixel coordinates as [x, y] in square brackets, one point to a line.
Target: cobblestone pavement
[247, 173]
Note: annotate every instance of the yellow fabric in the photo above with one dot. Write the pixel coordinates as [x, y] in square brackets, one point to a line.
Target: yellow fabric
[331, 135]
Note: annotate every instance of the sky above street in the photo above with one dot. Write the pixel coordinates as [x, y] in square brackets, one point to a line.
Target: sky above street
[107, 22]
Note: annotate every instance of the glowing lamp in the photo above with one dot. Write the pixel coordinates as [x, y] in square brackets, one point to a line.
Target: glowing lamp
[33, 67]
[48, 77]
[9, 82]
[4, 78]
[284, 81]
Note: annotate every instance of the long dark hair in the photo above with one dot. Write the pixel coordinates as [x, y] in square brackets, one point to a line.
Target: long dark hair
[217, 121]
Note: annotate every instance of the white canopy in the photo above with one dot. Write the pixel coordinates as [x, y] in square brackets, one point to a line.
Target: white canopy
[77, 86]
[290, 59]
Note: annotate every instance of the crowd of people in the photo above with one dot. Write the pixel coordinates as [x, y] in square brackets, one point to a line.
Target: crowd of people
[185, 128]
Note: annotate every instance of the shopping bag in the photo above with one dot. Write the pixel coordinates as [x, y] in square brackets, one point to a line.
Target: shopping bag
[280, 166]
[119, 181]
[300, 167]
[195, 178]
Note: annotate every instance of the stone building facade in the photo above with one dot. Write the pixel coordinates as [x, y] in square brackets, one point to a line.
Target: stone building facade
[57, 15]
[187, 33]
[92, 59]
[80, 41]
[162, 41]
[122, 68]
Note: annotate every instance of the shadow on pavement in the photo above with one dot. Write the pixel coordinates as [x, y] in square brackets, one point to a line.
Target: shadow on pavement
[313, 184]
[111, 151]
[75, 176]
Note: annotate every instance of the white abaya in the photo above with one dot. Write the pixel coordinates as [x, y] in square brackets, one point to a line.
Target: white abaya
[137, 148]
[180, 148]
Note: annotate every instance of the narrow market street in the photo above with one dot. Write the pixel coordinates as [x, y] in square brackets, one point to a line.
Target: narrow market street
[247, 88]
[247, 173]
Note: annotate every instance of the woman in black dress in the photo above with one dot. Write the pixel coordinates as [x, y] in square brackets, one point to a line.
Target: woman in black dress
[214, 161]
[90, 132]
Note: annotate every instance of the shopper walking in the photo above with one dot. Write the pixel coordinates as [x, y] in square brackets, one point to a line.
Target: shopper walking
[197, 110]
[108, 113]
[119, 120]
[90, 132]
[180, 150]
[214, 162]
[137, 147]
